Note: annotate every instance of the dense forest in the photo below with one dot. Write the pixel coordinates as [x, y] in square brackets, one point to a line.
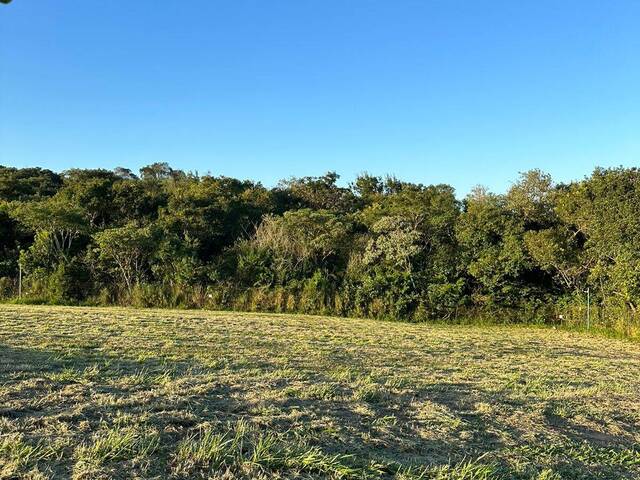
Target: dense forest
[381, 247]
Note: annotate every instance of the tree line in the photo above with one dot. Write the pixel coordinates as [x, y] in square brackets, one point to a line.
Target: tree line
[380, 247]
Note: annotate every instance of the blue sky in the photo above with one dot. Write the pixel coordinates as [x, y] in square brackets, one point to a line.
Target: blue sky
[458, 92]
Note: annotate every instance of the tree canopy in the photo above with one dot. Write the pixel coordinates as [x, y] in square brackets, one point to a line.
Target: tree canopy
[377, 247]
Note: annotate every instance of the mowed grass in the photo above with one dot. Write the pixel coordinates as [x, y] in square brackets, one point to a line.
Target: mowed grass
[122, 393]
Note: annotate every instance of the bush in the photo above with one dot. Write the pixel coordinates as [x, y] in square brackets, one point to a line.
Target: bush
[69, 283]
[316, 294]
[8, 288]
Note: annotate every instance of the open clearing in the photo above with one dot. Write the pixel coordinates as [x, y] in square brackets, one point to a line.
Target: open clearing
[122, 393]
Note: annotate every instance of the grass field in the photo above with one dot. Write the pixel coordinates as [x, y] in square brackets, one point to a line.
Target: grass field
[119, 393]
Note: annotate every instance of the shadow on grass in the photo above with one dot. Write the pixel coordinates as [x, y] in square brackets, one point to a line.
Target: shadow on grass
[84, 386]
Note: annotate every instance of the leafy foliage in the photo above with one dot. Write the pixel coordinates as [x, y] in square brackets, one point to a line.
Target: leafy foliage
[379, 247]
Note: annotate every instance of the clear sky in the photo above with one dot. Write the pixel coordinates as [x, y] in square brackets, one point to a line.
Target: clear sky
[434, 91]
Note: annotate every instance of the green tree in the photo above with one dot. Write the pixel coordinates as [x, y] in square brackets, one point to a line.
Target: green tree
[432, 212]
[532, 198]
[56, 219]
[25, 184]
[213, 212]
[491, 239]
[602, 213]
[138, 200]
[125, 252]
[319, 193]
[92, 191]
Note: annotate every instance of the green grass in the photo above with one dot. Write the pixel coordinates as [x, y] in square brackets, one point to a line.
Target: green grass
[120, 393]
